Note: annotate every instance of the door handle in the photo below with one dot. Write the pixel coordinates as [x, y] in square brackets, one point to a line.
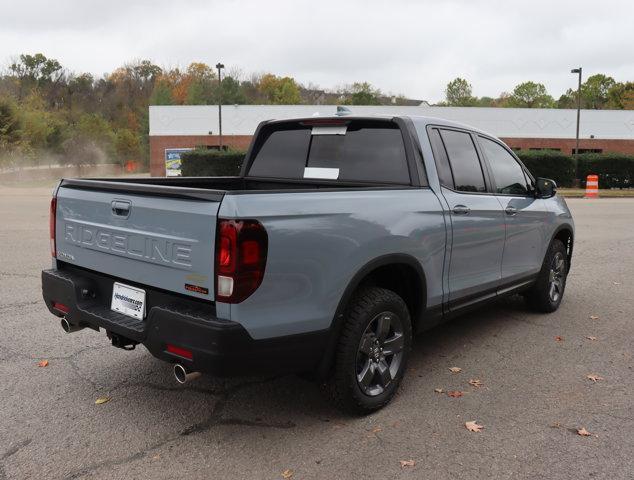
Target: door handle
[461, 210]
[510, 210]
[120, 208]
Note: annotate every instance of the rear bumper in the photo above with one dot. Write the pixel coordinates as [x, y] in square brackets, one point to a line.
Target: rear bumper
[219, 347]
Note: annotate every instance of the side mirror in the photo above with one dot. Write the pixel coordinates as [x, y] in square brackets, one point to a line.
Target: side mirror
[545, 188]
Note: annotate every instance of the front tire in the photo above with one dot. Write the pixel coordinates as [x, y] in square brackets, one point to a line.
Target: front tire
[372, 352]
[546, 295]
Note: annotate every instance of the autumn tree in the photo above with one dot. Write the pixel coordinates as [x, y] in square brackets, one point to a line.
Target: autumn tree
[279, 90]
[621, 96]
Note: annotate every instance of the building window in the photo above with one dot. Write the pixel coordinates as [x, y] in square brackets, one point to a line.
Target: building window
[588, 150]
[516, 149]
[552, 149]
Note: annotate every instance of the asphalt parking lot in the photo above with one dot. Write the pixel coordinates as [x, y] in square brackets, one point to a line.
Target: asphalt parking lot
[535, 393]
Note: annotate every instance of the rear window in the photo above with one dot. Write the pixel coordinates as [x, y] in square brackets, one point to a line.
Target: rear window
[365, 152]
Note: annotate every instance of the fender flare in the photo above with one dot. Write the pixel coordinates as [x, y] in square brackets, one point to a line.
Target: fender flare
[569, 228]
[337, 322]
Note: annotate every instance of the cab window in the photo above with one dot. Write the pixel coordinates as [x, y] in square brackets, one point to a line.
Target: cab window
[508, 174]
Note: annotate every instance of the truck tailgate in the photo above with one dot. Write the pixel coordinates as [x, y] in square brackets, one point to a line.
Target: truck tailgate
[160, 241]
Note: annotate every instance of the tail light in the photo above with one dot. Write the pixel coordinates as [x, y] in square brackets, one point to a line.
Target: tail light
[52, 218]
[241, 247]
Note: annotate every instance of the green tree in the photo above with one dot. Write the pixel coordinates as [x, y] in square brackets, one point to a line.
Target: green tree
[363, 93]
[35, 71]
[91, 140]
[10, 126]
[568, 99]
[233, 94]
[594, 91]
[127, 145]
[161, 93]
[531, 95]
[458, 93]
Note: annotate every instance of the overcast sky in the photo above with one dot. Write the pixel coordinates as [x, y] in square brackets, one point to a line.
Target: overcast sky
[400, 46]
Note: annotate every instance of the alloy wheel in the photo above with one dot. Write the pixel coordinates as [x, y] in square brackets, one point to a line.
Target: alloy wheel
[380, 353]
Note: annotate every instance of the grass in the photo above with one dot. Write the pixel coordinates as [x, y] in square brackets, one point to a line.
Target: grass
[603, 193]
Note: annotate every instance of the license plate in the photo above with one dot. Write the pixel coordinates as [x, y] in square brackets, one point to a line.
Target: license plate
[128, 300]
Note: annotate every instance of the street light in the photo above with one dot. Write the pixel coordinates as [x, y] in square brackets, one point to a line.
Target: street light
[578, 70]
[220, 66]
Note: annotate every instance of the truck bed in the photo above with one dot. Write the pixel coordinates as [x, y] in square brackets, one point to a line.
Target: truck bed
[211, 188]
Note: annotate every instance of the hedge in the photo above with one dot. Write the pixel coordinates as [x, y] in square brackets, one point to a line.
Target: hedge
[211, 163]
[550, 164]
[615, 170]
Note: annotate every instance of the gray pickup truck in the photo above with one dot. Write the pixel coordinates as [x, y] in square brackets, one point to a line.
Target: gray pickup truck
[341, 238]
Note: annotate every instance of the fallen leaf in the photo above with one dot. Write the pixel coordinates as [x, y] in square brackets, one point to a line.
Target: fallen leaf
[475, 382]
[407, 463]
[583, 432]
[472, 426]
[288, 473]
[559, 339]
[556, 425]
[101, 400]
[590, 337]
[594, 377]
[42, 363]
[455, 369]
[594, 317]
[455, 393]
[438, 390]
[616, 283]
[376, 429]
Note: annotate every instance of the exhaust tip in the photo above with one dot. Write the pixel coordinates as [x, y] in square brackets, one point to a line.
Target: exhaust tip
[183, 375]
[66, 326]
[180, 373]
[69, 327]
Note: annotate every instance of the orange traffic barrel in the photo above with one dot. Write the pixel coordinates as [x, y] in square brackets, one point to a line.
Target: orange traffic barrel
[592, 186]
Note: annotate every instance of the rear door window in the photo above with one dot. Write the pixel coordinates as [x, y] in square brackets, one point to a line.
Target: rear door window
[367, 152]
[465, 164]
[441, 160]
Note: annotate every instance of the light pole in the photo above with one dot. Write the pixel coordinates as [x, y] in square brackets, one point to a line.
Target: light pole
[220, 66]
[578, 70]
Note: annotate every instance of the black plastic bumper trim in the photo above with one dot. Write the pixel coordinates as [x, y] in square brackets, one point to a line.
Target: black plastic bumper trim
[220, 347]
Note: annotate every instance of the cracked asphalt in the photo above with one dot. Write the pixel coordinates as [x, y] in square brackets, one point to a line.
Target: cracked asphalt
[535, 392]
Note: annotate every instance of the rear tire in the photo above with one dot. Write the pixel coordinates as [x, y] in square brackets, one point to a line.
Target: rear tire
[546, 294]
[372, 351]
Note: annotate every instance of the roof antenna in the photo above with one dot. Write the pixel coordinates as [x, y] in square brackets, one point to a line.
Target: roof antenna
[343, 111]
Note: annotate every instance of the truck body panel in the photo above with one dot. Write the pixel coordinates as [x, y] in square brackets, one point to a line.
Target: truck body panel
[319, 240]
[149, 240]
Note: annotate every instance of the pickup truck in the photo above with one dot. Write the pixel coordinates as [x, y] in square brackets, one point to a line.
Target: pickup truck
[341, 238]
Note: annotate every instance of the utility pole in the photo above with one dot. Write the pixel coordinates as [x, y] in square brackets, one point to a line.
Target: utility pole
[578, 70]
[220, 66]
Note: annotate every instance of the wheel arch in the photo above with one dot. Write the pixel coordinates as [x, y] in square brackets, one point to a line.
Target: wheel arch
[565, 233]
[409, 277]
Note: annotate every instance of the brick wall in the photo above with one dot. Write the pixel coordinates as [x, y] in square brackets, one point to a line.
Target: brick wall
[159, 144]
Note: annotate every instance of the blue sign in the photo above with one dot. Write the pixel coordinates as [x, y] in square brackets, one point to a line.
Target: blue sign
[173, 161]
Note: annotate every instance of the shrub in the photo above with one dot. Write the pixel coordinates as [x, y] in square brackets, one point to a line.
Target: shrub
[615, 170]
[211, 163]
[550, 164]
